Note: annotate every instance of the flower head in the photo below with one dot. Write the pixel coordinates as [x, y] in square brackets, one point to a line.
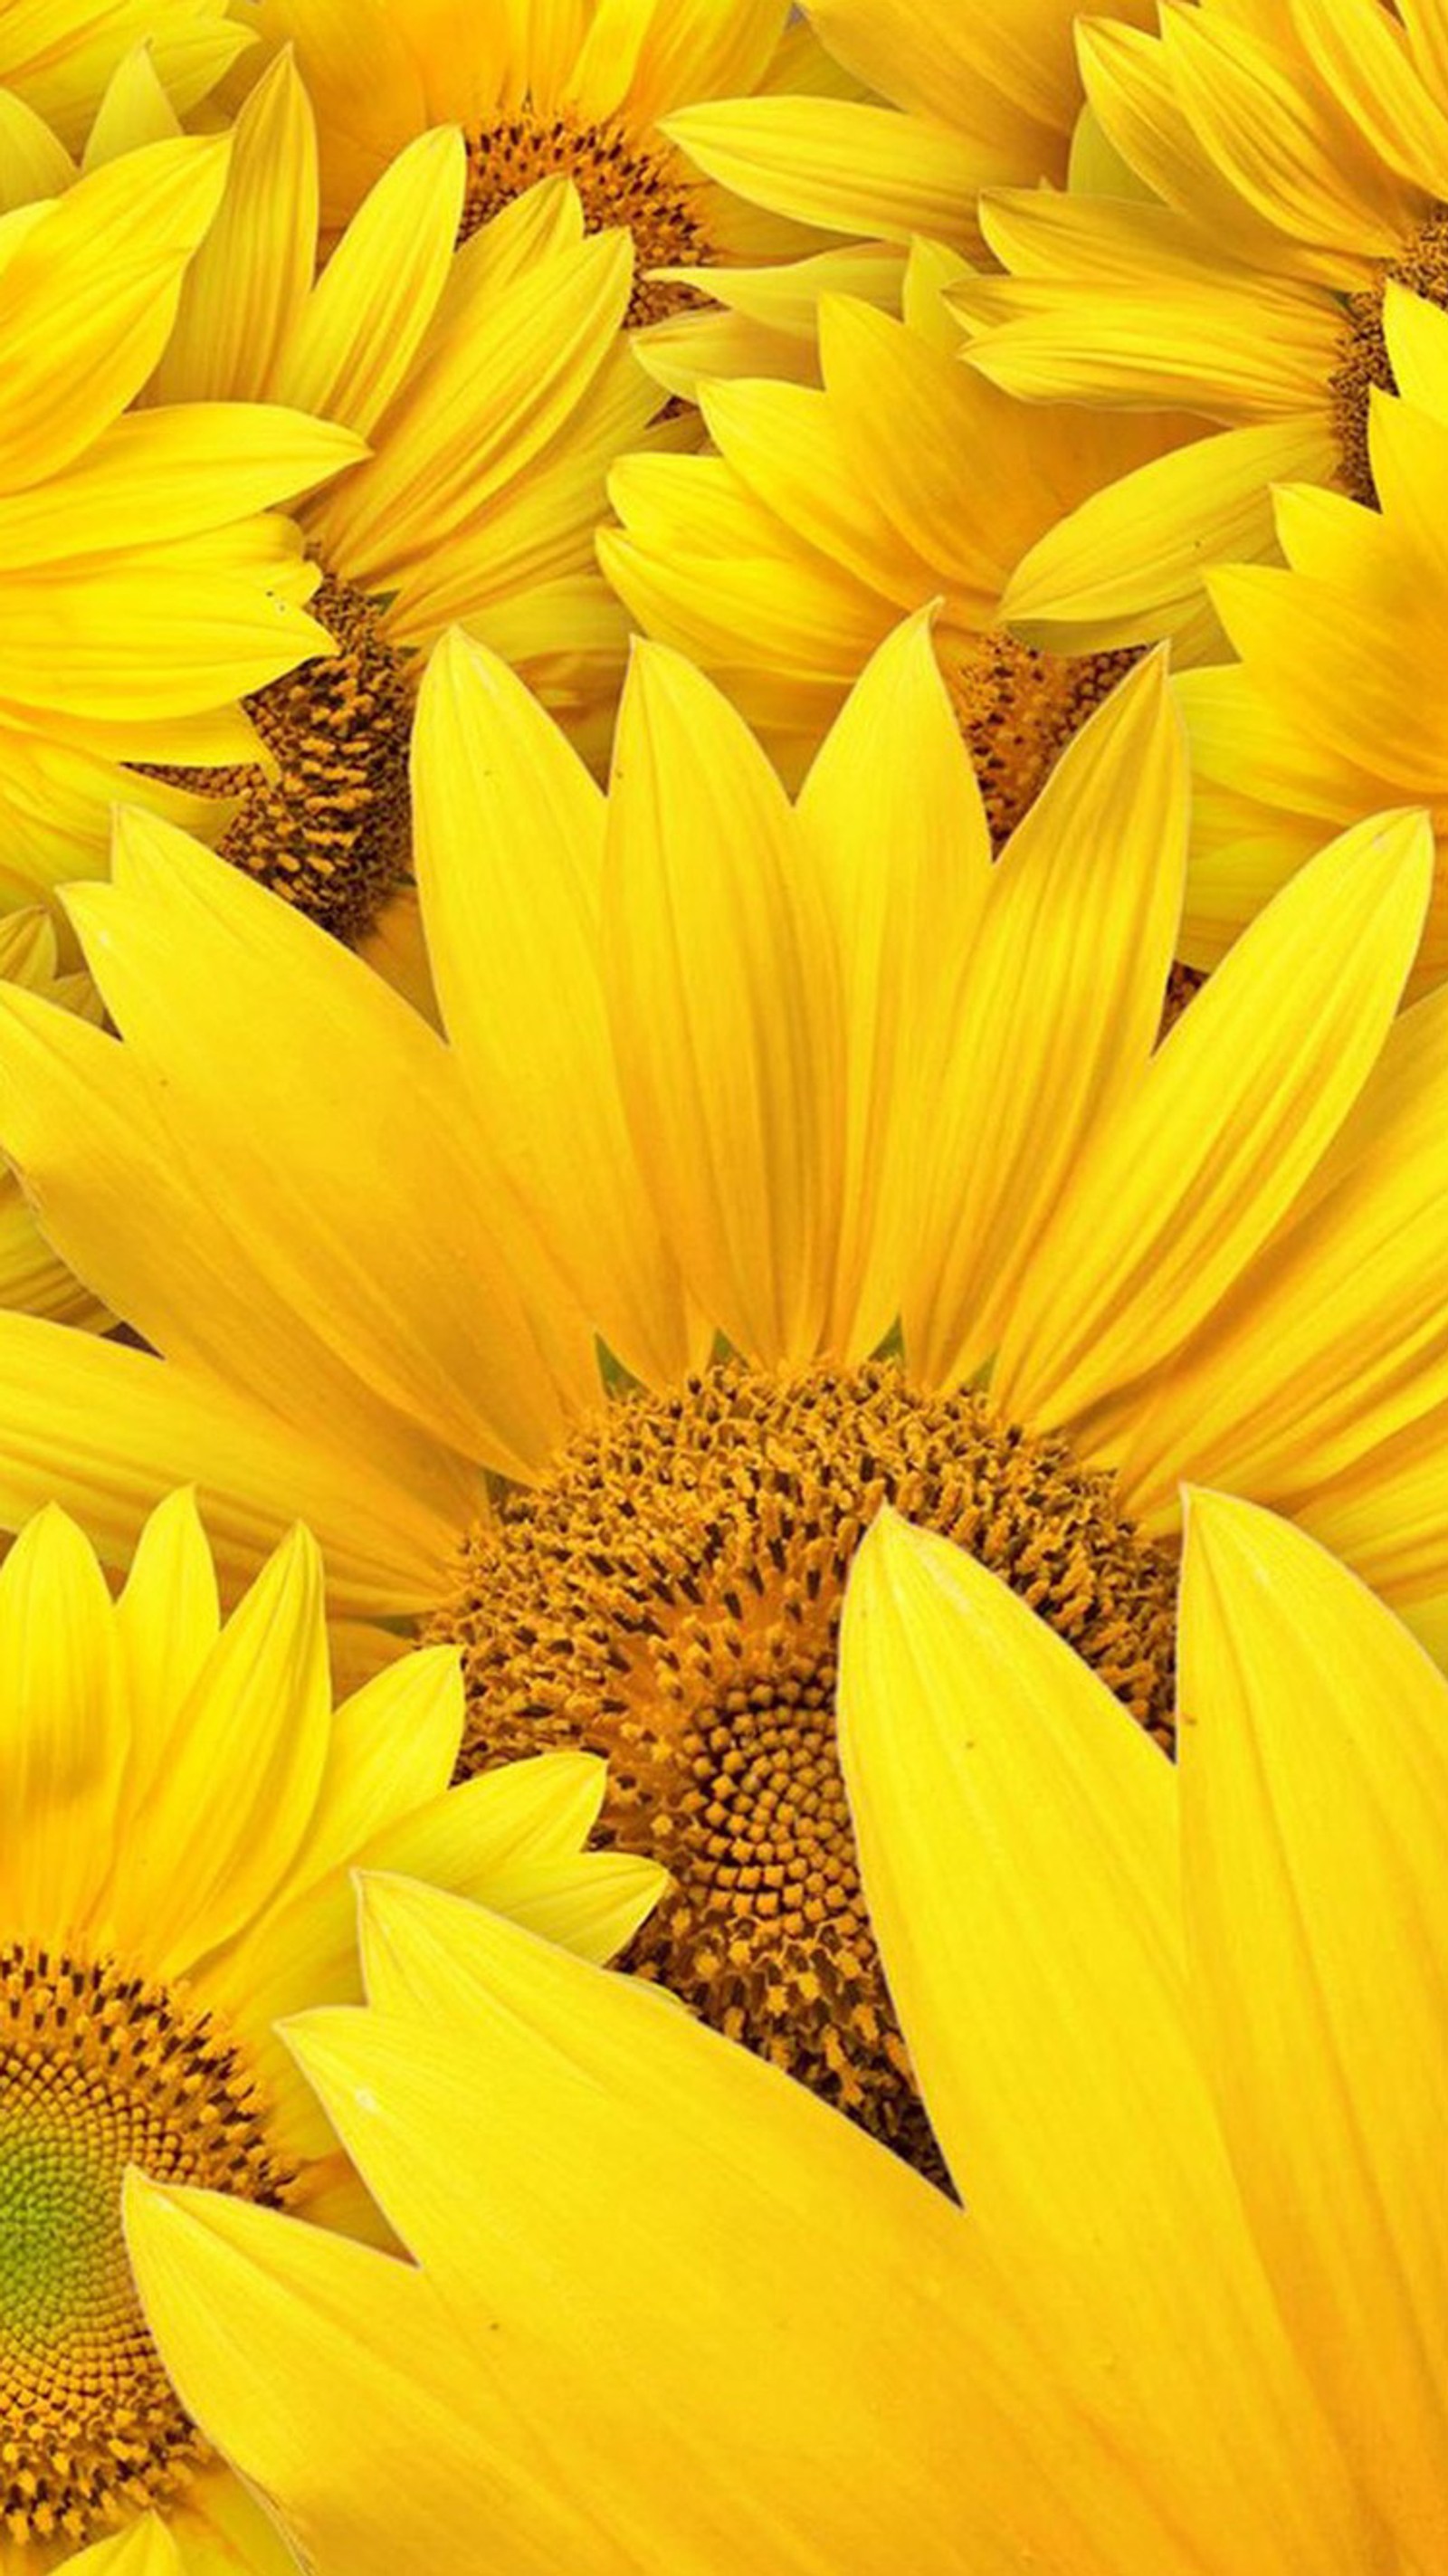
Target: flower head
[1192, 2316]
[183, 1807]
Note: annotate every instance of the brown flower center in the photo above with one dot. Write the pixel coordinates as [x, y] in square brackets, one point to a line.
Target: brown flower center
[100, 2070]
[1017, 710]
[331, 832]
[644, 188]
[669, 1596]
[1363, 359]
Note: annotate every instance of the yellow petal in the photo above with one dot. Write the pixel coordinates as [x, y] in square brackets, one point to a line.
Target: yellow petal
[107, 1431]
[1126, 565]
[63, 1730]
[1182, 1190]
[135, 110]
[1315, 1807]
[147, 2549]
[381, 1223]
[848, 168]
[248, 282]
[228, 1811]
[508, 831]
[392, 1748]
[353, 342]
[1017, 1837]
[1338, 1351]
[725, 1019]
[834, 2252]
[1055, 1016]
[167, 1621]
[892, 817]
[89, 296]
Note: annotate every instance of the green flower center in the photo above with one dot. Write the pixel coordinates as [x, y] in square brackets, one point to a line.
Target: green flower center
[100, 2070]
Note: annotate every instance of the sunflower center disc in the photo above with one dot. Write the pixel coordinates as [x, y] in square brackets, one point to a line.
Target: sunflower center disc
[331, 832]
[1363, 359]
[99, 2070]
[645, 190]
[669, 1596]
[1017, 710]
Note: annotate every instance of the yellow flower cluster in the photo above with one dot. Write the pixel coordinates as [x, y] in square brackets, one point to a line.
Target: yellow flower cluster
[723, 1288]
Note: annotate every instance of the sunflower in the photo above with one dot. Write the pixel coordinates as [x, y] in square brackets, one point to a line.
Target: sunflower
[578, 1337]
[1334, 708]
[145, 581]
[59, 60]
[493, 390]
[575, 89]
[1193, 2317]
[183, 1807]
[1293, 156]
[780, 561]
[959, 97]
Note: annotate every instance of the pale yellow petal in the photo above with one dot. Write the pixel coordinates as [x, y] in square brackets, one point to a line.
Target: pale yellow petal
[848, 168]
[352, 343]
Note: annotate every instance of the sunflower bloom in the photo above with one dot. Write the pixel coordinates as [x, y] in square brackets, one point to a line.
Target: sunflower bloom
[796, 1077]
[1332, 710]
[183, 1808]
[576, 89]
[493, 390]
[1192, 2318]
[781, 561]
[146, 583]
[1294, 155]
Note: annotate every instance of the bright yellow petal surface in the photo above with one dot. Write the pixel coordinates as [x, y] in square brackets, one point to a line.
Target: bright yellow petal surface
[88, 288]
[1315, 1807]
[509, 832]
[227, 1811]
[1017, 1838]
[147, 2549]
[917, 2421]
[725, 1011]
[251, 276]
[1054, 1020]
[63, 1731]
[1338, 1349]
[845, 167]
[354, 340]
[1207, 1155]
[893, 821]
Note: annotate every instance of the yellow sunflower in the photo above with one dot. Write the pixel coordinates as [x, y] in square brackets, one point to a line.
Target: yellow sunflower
[183, 1809]
[493, 389]
[1336, 705]
[145, 580]
[781, 560]
[1183, 2039]
[575, 89]
[59, 57]
[821, 1082]
[1281, 161]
